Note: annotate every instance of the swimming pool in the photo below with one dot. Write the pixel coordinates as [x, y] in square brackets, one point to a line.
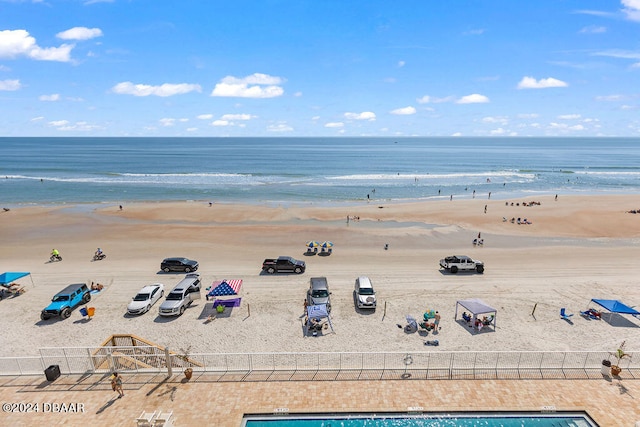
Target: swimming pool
[512, 419]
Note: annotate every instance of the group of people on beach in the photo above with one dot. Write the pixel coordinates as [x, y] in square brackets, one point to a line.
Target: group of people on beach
[513, 220]
[531, 203]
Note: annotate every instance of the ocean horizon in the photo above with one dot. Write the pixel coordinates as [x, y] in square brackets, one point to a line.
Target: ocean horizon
[91, 170]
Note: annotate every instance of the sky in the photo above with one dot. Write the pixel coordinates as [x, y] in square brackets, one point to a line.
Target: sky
[320, 68]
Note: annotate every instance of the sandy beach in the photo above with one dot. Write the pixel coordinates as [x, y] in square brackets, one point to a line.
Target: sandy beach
[576, 248]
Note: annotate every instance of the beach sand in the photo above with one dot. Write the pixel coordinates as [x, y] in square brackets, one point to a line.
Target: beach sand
[577, 248]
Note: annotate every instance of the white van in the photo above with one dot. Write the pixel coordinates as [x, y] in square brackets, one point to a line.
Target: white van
[181, 297]
[365, 296]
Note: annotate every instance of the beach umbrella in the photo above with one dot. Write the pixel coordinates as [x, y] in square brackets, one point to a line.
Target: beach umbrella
[327, 244]
[312, 244]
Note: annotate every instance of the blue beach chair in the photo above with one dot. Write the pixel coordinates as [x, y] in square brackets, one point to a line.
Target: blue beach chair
[564, 315]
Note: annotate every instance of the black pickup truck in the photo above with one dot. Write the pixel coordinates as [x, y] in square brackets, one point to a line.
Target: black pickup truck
[283, 264]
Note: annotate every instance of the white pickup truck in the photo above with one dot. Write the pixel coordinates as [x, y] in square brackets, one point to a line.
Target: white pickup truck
[456, 263]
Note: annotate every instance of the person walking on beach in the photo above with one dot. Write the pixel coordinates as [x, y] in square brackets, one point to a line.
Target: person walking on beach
[116, 384]
[436, 321]
[485, 208]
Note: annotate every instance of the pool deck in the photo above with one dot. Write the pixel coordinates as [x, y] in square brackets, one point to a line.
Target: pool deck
[205, 399]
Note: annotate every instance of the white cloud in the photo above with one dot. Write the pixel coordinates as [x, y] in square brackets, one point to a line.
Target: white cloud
[205, 116]
[58, 123]
[456, 134]
[52, 97]
[498, 131]
[166, 122]
[564, 126]
[166, 89]
[628, 107]
[192, 129]
[401, 64]
[610, 98]
[365, 115]
[569, 116]
[280, 127]
[79, 33]
[220, 123]
[4, 68]
[476, 32]
[237, 117]
[636, 65]
[10, 85]
[406, 111]
[473, 99]
[531, 83]
[424, 100]
[593, 29]
[631, 9]
[334, 125]
[528, 116]
[254, 86]
[15, 43]
[37, 119]
[497, 119]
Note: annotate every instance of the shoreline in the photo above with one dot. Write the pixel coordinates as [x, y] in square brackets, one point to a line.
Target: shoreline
[495, 196]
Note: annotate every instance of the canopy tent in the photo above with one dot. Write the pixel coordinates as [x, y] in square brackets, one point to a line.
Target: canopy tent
[317, 313]
[225, 288]
[9, 277]
[476, 307]
[615, 306]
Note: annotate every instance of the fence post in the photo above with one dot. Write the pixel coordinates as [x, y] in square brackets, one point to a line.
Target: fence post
[169, 364]
[93, 365]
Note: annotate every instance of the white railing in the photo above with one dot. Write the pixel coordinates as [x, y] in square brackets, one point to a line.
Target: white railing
[305, 366]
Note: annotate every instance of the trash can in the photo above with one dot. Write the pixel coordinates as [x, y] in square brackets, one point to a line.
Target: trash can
[606, 367]
[52, 372]
[83, 311]
[91, 311]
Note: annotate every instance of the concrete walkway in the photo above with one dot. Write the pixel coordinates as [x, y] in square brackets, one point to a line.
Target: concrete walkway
[89, 400]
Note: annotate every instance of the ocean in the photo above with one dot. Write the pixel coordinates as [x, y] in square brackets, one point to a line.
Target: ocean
[311, 170]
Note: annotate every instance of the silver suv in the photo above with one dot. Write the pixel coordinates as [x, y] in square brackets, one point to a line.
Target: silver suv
[318, 292]
[182, 296]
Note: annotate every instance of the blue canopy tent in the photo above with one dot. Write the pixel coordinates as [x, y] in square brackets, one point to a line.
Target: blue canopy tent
[615, 306]
[9, 277]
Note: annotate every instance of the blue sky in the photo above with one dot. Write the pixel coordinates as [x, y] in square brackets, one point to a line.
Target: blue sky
[320, 68]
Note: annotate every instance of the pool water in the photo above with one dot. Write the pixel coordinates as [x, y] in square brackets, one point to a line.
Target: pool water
[431, 420]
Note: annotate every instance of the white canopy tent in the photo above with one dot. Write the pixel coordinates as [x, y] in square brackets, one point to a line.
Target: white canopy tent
[477, 307]
[316, 314]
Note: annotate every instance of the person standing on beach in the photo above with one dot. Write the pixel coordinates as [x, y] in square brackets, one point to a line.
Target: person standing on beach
[489, 194]
[436, 321]
[485, 208]
[116, 384]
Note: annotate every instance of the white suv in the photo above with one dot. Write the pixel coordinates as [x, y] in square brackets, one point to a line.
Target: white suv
[365, 296]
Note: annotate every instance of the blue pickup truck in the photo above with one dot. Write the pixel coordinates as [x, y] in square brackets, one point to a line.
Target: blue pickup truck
[66, 300]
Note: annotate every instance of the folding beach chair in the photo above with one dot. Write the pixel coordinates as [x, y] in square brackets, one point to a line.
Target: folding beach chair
[564, 315]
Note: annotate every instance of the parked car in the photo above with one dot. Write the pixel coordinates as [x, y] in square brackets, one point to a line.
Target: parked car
[181, 296]
[66, 300]
[318, 292]
[365, 296]
[178, 264]
[147, 296]
[456, 263]
[283, 264]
